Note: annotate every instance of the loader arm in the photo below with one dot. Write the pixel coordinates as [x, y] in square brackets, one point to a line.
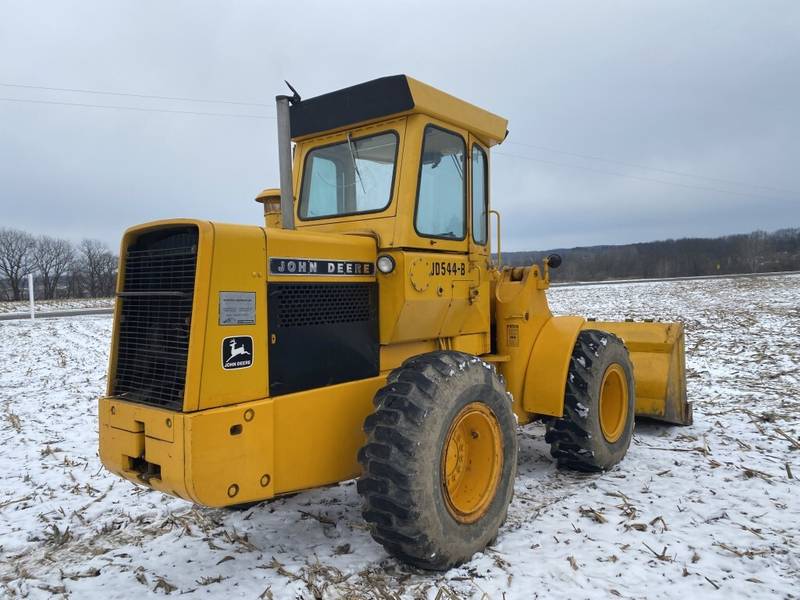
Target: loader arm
[538, 346]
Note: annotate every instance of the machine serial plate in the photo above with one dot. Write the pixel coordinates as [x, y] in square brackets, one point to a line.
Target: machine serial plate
[314, 266]
[237, 308]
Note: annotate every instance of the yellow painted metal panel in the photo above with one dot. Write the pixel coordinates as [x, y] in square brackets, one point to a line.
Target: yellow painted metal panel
[490, 128]
[116, 446]
[230, 454]
[546, 377]
[127, 432]
[212, 450]
[239, 264]
[318, 434]
[136, 417]
[197, 340]
[521, 311]
[413, 304]
[458, 308]
[392, 299]
[392, 356]
[478, 290]
[473, 343]
[169, 456]
[432, 294]
[265, 447]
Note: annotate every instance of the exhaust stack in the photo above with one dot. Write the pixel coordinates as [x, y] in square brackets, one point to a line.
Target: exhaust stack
[285, 161]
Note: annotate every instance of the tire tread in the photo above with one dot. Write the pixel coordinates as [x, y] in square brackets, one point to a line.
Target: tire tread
[387, 485]
[570, 439]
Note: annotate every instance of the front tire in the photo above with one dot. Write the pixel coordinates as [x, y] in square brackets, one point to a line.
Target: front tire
[596, 430]
[440, 460]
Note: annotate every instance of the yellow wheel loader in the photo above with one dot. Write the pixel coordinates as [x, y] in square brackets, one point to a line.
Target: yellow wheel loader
[368, 330]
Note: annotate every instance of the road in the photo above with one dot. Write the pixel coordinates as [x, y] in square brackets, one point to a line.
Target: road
[58, 313]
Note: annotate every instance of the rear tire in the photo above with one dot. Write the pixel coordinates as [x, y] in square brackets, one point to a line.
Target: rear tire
[440, 460]
[597, 426]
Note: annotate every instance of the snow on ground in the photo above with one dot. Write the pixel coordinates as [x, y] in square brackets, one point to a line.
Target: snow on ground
[23, 307]
[692, 512]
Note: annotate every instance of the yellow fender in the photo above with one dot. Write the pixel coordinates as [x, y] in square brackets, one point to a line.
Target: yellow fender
[546, 376]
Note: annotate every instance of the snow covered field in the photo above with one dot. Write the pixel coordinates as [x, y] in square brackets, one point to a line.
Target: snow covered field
[703, 511]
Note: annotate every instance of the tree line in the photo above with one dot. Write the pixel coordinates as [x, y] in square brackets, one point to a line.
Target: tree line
[60, 268]
[756, 252]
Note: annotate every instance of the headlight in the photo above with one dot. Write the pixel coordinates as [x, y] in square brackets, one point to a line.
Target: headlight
[385, 264]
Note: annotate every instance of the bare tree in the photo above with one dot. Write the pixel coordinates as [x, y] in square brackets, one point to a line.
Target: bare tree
[52, 258]
[16, 257]
[75, 277]
[108, 274]
[99, 268]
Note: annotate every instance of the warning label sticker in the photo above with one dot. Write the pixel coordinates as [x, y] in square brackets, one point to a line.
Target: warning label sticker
[512, 336]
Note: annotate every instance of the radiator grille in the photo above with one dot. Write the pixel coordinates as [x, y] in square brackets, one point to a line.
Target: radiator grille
[155, 317]
[301, 305]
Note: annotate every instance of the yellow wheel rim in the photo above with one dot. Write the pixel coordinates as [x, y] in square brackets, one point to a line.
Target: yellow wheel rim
[613, 403]
[472, 460]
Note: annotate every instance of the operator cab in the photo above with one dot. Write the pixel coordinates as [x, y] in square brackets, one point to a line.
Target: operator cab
[394, 158]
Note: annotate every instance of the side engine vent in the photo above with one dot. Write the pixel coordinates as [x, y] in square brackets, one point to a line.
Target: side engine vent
[301, 305]
[155, 317]
[321, 334]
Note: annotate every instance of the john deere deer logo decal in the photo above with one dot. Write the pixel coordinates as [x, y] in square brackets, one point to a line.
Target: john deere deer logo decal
[237, 352]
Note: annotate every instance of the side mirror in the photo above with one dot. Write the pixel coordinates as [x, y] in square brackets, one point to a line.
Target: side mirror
[553, 261]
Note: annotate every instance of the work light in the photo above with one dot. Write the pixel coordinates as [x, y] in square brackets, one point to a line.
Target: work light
[385, 264]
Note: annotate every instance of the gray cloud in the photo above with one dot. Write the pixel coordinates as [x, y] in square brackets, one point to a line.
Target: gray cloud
[704, 88]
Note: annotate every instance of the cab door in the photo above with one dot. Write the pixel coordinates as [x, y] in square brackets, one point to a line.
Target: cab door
[478, 315]
[429, 299]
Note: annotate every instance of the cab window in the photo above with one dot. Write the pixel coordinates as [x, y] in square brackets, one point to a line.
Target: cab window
[480, 195]
[441, 195]
[350, 177]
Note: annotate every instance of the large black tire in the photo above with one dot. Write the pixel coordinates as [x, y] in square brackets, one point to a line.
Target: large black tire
[577, 440]
[406, 501]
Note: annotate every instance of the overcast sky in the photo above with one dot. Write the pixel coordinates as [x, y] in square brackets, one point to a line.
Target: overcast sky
[657, 90]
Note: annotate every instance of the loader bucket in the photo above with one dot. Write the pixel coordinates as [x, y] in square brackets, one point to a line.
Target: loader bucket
[659, 367]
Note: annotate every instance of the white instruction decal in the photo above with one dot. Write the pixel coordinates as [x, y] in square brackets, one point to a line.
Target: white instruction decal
[237, 308]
